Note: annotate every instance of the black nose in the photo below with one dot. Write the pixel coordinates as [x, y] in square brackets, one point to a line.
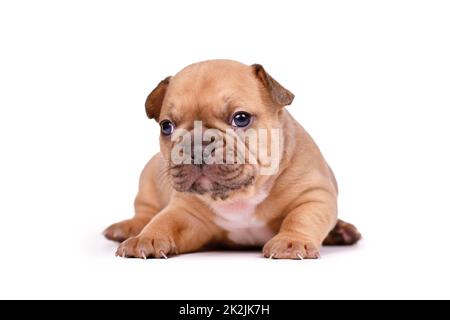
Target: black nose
[197, 152]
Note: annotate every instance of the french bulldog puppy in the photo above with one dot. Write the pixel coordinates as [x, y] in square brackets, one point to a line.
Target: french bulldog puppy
[284, 200]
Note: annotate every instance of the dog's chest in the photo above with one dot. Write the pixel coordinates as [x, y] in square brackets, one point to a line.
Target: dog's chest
[240, 221]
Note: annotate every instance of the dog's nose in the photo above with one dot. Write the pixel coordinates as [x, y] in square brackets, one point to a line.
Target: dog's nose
[198, 155]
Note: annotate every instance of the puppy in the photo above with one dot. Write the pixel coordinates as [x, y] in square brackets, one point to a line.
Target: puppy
[277, 193]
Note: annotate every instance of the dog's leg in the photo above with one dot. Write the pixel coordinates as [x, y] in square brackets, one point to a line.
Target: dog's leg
[145, 208]
[150, 200]
[125, 229]
[173, 231]
[302, 232]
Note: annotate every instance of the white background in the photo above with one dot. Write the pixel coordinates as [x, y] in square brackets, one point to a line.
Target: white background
[372, 85]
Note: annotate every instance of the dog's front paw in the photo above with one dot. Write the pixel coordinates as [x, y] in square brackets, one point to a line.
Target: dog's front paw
[287, 246]
[144, 247]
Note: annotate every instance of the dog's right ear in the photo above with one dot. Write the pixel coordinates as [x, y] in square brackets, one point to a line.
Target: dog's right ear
[155, 99]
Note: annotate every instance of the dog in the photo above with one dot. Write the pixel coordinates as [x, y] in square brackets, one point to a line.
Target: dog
[289, 211]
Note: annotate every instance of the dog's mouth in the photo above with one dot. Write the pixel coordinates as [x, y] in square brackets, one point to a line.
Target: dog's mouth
[215, 180]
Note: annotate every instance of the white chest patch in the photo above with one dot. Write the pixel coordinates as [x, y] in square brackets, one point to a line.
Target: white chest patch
[239, 220]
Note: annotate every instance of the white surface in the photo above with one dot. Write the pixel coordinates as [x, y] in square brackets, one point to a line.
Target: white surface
[372, 84]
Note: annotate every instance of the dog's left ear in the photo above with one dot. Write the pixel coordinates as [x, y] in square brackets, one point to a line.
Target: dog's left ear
[278, 94]
[155, 99]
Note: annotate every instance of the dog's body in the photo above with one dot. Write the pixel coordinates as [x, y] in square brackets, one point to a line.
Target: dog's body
[185, 208]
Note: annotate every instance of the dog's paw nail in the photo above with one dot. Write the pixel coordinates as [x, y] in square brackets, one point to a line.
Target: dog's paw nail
[272, 256]
[120, 253]
[163, 254]
[143, 255]
[300, 257]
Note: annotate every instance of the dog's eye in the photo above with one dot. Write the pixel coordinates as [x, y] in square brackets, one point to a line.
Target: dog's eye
[241, 119]
[167, 127]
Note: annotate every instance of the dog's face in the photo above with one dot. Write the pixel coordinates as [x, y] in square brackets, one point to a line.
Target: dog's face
[209, 114]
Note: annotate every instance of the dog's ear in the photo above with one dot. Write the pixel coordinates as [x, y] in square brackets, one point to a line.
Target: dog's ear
[277, 93]
[155, 99]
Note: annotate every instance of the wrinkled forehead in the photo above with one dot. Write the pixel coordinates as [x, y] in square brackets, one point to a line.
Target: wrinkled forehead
[203, 91]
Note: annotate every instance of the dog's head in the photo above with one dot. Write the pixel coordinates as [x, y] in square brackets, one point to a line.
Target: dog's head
[220, 126]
